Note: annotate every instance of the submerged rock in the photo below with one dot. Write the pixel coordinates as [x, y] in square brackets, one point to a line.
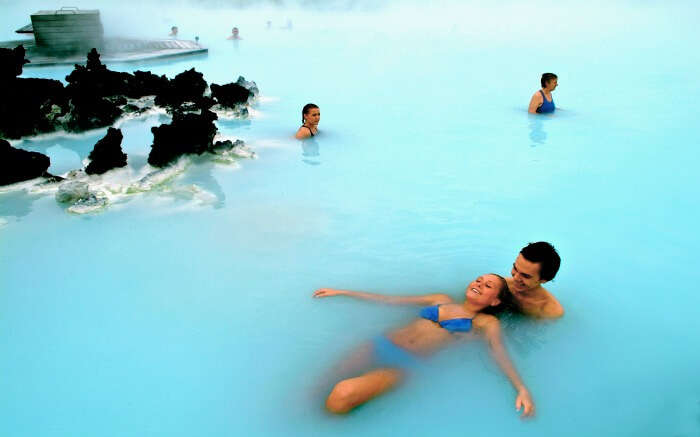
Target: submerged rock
[93, 202]
[81, 199]
[228, 152]
[187, 134]
[139, 106]
[155, 178]
[73, 191]
[107, 153]
[221, 147]
[228, 147]
[17, 165]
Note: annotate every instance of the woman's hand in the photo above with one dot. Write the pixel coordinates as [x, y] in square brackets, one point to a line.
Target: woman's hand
[328, 292]
[524, 401]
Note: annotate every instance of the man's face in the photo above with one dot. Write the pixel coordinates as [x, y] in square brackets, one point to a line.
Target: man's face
[526, 274]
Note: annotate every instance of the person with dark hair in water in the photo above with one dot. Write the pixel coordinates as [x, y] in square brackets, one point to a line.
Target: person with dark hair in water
[173, 32]
[542, 101]
[536, 264]
[388, 359]
[310, 116]
[235, 35]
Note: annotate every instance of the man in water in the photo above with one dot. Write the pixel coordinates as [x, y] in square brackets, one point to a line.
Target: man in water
[235, 34]
[536, 264]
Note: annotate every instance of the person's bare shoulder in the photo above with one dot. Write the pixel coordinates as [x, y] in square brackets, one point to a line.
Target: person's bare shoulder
[552, 309]
[542, 304]
[302, 133]
[485, 322]
[535, 102]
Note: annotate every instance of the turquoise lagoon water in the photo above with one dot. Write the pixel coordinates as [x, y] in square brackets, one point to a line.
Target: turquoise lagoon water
[165, 316]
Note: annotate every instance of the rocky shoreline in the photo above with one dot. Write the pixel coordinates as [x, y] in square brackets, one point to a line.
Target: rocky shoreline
[97, 97]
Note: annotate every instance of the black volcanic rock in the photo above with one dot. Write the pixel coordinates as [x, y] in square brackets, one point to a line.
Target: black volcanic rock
[92, 90]
[11, 63]
[96, 97]
[230, 95]
[145, 83]
[249, 85]
[91, 112]
[96, 80]
[107, 153]
[188, 86]
[18, 165]
[31, 106]
[187, 134]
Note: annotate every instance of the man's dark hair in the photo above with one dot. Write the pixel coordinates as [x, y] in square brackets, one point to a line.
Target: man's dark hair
[546, 255]
[546, 77]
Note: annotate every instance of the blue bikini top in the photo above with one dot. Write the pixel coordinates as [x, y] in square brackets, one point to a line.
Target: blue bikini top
[452, 325]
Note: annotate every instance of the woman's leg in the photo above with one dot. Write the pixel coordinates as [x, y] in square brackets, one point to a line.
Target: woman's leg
[351, 392]
[358, 361]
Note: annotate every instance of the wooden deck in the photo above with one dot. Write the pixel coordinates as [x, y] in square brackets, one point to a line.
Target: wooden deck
[112, 50]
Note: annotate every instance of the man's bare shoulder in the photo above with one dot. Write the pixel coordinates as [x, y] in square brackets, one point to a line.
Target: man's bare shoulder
[549, 306]
[539, 303]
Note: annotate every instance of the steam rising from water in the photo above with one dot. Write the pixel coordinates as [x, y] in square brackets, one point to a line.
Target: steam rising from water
[539, 23]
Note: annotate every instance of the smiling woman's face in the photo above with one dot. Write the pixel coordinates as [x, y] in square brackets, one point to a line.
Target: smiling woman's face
[484, 290]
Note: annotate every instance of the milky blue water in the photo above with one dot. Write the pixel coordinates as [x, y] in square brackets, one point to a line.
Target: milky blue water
[160, 316]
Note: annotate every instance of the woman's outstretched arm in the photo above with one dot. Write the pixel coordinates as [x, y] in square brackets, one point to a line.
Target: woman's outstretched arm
[491, 328]
[426, 299]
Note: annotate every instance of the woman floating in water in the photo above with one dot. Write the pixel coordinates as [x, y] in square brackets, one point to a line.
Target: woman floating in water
[310, 116]
[542, 101]
[389, 357]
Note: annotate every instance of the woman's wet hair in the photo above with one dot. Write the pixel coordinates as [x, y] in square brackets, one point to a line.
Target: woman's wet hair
[308, 107]
[507, 304]
[546, 77]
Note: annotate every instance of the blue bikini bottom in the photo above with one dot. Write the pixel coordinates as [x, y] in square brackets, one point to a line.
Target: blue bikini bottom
[387, 354]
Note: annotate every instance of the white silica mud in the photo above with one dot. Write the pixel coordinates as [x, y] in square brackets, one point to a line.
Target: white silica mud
[81, 193]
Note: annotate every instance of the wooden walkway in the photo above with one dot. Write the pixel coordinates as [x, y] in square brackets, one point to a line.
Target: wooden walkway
[113, 50]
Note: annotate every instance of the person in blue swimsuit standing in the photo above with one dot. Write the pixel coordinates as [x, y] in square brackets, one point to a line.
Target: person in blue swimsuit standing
[387, 360]
[542, 101]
